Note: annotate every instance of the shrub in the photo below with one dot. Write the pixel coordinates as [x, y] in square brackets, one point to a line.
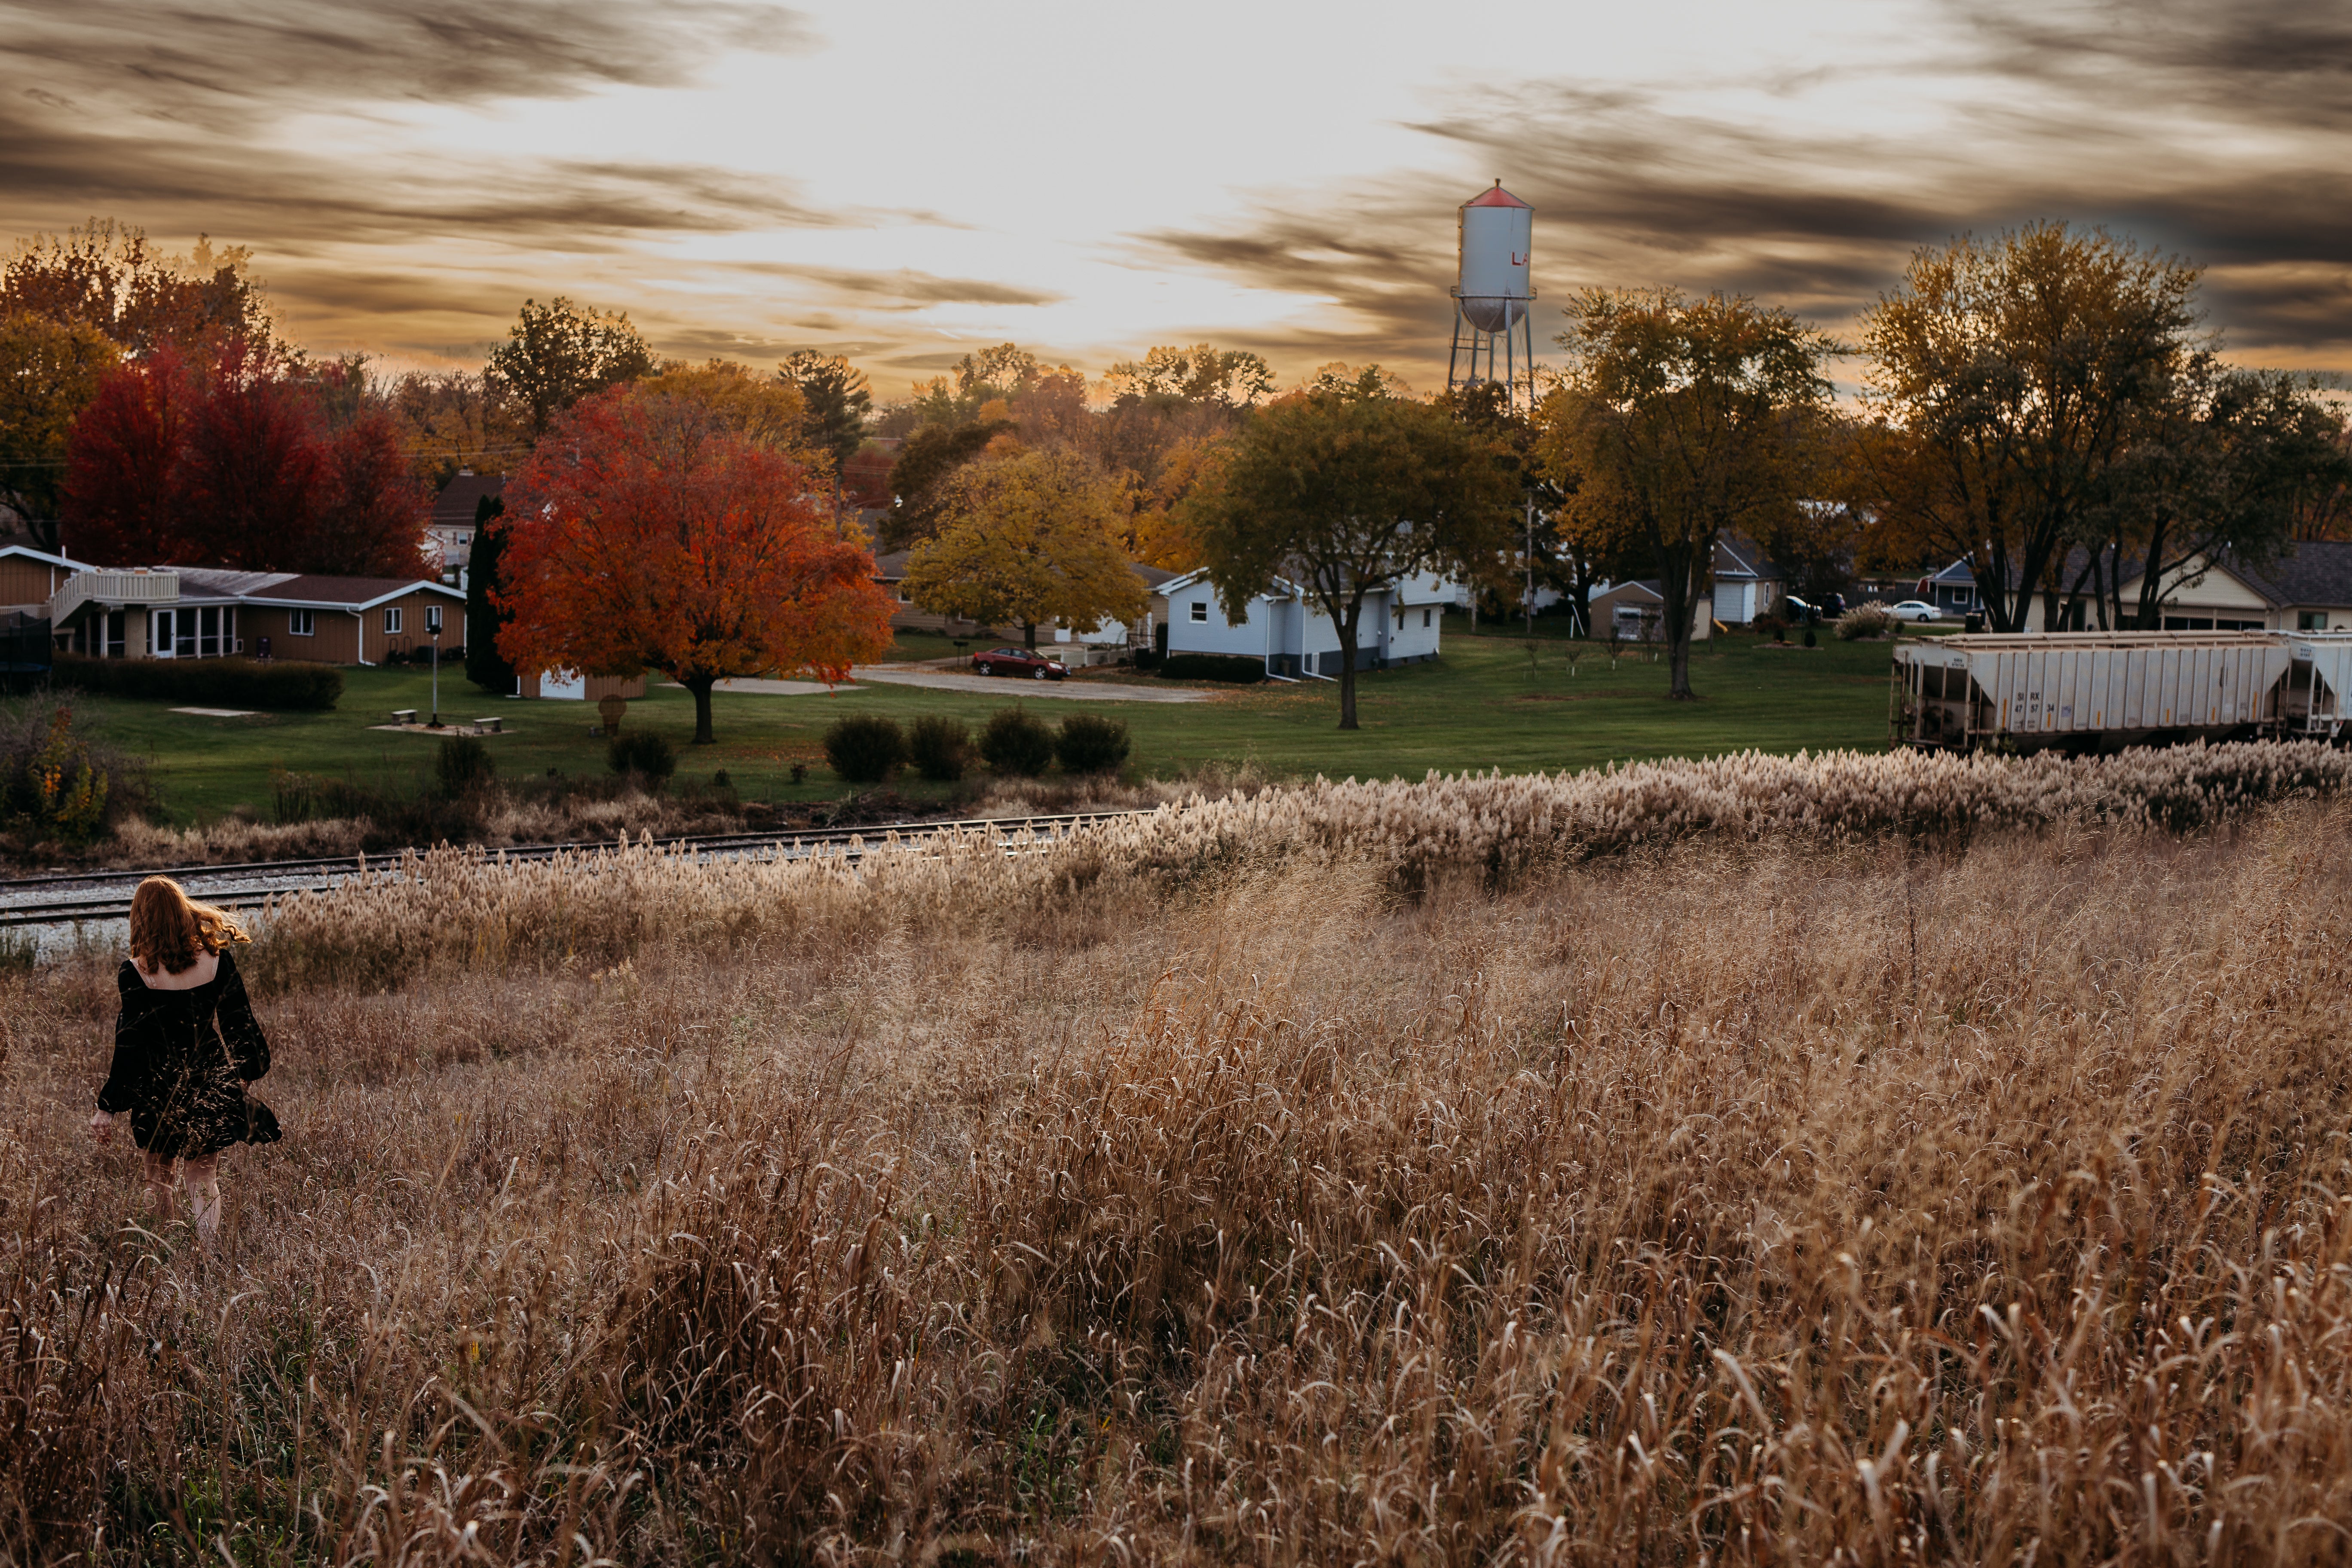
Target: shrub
[1871, 620]
[1090, 743]
[464, 763]
[281, 685]
[1771, 627]
[56, 784]
[864, 747]
[1228, 667]
[939, 747]
[1015, 741]
[644, 753]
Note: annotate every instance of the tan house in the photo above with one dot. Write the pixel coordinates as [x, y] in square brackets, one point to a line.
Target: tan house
[2307, 589]
[1636, 612]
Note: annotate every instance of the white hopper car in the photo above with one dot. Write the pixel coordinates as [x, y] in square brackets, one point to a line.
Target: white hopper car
[2104, 690]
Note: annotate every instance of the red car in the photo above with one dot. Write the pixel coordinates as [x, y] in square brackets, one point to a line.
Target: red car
[1017, 662]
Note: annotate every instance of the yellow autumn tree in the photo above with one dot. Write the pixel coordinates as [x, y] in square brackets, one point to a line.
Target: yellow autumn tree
[1031, 538]
[763, 410]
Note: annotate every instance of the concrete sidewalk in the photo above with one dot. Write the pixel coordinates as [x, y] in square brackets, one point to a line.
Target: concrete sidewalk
[941, 680]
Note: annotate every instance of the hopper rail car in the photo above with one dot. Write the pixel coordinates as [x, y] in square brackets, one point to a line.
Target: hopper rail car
[2093, 691]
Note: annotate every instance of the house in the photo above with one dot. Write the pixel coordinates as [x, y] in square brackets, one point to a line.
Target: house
[30, 577]
[1636, 612]
[457, 511]
[1953, 591]
[203, 612]
[1747, 583]
[1284, 625]
[571, 686]
[2308, 588]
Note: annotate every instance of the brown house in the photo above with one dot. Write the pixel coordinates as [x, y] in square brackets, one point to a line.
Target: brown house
[204, 612]
[348, 620]
[28, 576]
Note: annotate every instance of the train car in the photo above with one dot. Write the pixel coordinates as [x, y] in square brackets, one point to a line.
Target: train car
[2104, 690]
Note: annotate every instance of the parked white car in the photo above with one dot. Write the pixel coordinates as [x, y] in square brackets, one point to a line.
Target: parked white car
[1915, 610]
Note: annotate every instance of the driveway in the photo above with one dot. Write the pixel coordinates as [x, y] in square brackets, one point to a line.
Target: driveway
[994, 685]
[1012, 686]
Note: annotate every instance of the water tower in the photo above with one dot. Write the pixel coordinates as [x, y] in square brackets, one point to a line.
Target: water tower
[1494, 325]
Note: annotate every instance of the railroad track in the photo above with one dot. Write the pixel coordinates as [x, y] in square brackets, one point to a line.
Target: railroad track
[106, 895]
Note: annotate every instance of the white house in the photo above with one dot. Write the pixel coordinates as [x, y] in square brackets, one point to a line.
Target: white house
[1285, 626]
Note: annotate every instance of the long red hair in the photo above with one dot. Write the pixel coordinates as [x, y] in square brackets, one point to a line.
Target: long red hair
[168, 929]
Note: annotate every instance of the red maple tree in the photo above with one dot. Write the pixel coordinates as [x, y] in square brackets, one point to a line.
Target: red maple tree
[234, 458]
[647, 532]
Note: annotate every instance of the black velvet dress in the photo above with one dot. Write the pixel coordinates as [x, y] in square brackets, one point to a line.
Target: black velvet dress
[181, 1074]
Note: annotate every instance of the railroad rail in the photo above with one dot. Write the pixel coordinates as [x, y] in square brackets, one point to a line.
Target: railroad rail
[251, 884]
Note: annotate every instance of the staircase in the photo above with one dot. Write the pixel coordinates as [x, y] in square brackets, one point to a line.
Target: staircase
[112, 589]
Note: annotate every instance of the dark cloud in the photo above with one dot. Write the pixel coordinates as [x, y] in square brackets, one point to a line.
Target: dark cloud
[227, 67]
[2276, 62]
[2135, 118]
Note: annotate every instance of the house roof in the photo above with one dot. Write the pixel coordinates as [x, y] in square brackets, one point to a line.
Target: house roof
[1650, 586]
[344, 593]
[1739, 556]
[461, 498]
[224, 581]
[1280, 588]
[2316, 571]
[43, 556]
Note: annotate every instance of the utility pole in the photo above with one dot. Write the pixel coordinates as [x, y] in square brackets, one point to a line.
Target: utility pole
[433, 630]
[1527, 560]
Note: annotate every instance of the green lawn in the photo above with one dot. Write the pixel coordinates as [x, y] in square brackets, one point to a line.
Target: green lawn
[1486, 704]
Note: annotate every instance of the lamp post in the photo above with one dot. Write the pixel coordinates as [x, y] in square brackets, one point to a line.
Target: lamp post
[433, 630]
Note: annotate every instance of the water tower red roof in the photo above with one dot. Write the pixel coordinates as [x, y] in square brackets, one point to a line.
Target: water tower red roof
[1497, 197]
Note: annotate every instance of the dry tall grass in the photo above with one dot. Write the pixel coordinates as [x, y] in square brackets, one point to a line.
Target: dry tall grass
[1744, 1198]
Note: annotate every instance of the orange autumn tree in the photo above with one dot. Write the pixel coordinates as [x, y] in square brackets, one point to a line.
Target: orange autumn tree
[649, 531]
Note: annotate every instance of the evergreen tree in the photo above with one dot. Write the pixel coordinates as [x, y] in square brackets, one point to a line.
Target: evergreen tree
[484, 666]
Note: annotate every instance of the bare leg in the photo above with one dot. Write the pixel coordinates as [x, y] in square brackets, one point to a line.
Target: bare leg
[158, 1186]
[203, 1177]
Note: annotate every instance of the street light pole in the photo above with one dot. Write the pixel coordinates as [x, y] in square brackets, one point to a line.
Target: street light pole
[433, 630]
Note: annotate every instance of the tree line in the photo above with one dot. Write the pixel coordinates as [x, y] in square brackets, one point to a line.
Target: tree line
[2044, 403]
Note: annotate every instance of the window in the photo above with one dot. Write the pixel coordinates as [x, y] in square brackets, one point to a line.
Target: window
[433, 620]
[392, 621]
[2311, 620]
[300, 623]
[1200, 609]
[1425, 619]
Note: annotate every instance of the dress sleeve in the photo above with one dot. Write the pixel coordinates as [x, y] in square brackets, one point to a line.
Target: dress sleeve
[132, 1045]
[240, 1029]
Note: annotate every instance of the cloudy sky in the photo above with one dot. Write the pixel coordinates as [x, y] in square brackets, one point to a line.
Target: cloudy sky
[904, 181]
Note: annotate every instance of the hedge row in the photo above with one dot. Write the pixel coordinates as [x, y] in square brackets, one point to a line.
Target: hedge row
[279, 684]
[1226, 667]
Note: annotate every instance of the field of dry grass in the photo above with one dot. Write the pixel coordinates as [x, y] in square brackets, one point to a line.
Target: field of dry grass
[1767, 1194]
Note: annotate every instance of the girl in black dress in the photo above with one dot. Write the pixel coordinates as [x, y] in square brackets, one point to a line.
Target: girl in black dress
[185, 1045]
